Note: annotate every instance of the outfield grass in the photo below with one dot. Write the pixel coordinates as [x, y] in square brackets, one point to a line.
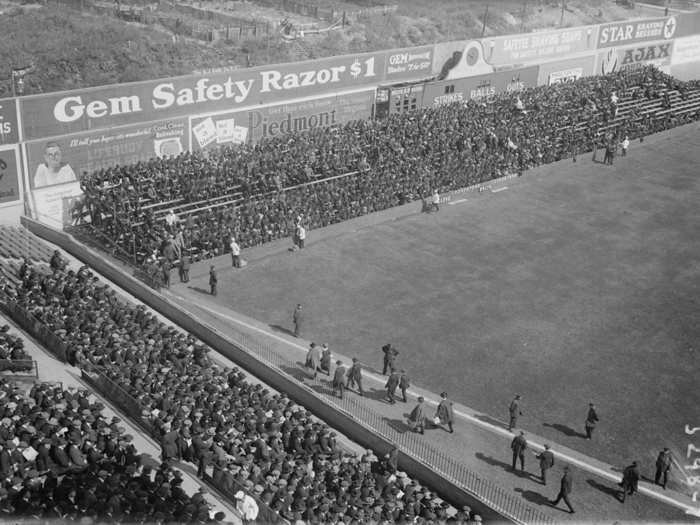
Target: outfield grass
[578, 283]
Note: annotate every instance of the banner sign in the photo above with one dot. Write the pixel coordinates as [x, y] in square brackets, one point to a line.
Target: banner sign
[566, 70]
[60, 161]
[686, 50]
[9, 175]
[478, 87]
[65, 113]
[54, 205]
[409, 64]
[616, 59]
[622, 33]
[255, 124]
[529, 47]
[9, 129]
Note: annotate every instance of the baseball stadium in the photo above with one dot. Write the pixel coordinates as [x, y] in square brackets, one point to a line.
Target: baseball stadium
[309, 262]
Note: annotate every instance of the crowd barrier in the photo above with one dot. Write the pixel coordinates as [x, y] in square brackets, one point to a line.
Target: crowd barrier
[34, 326]
[20, 366]
[446, 475]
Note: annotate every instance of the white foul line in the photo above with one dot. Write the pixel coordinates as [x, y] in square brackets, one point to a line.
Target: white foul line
[452, 203]
[689, 509]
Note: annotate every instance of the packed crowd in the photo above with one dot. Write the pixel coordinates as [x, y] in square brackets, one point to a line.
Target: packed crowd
[12, 354]
[61, 458]
[215, 418]
[397, 160]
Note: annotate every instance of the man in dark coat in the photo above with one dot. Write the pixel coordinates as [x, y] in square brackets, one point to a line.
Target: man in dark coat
[355, 376]
[185, 264]
[416, 419]
[390, 354]
[591, 420]
[297, 319]
[339, 379]
[630, 480]
[546, 462]
[445, 412]
[565, 490]
[213, 280]
[514, 412]
[391, 386]
[166, 267]
[518, 446]
[404, 383]
[663, 465]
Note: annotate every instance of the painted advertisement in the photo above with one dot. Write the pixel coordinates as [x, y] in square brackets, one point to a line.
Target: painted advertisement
[635, 31]
[479, 87]
[54, 205]
[686, 50]
[532, 47]
[255, 124]
[65, 113]
[409, 64]
[617, 59]
[9, 128]
[60, 161]
[10, 175]
[566, 70]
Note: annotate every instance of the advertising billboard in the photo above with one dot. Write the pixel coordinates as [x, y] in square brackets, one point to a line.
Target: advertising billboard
[531, 47]
[479, 87]
[9, 128]
[65, 113]
[566, 70]
[652, 53]
[254, 124]
[55, 162]
[635, 31]
[54, 205]
[685, 61]
[10, 175]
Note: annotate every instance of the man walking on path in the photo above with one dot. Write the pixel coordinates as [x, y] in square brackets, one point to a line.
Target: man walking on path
[390, 354]
[565, 490]
[185, 264]
[546, 462]
[416, 419]
[213, 280]
[591, 420]
[355, 376]
[663, 465]
[339, 379]
[391, 384]
[404, 383]
[630, 480]
[235, 253]
[515, 412]
[445, 412]
[297, 319]
[518, 446]
[313, 359]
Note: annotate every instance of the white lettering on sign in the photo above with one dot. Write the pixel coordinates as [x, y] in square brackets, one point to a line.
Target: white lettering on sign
[70, 109]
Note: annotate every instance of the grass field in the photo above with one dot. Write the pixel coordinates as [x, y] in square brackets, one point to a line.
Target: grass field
[578, 283]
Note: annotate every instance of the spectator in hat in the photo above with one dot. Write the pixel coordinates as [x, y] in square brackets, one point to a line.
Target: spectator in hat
[185, 264]
[326, 359]
[355, 376]
[416, 419]
[213, 280]
[630, 480]
[404, 383]
[591, 420]
[518, 446]
[313, 359]
[663, 465]
[445, 413]
[235, 253]
[546, 458]
[390, 354]
[339, 379]
[391, 385]
[515, 412]
[297, 319]
[564, 490]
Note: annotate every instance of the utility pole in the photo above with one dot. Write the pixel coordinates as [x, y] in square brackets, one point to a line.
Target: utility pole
[563, 6]
[522, 17]
[486, 15]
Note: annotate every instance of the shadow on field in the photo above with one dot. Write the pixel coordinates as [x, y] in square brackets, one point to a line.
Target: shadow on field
[605, 489]
[199, 290]
[505, 466]
[567, 431]
[282, 330]
[397, 424]
[296, 372]
[533, 497]
[376, 394]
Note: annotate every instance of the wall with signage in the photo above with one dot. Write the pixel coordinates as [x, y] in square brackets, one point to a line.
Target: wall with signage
[251, 125]
[685, 62]
[644, 53]
[10, 175]
[565, 70]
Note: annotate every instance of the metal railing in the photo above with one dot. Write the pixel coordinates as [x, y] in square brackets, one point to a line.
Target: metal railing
[414, 445]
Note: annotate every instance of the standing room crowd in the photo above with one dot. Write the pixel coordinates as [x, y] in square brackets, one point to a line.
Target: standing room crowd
[255, 193]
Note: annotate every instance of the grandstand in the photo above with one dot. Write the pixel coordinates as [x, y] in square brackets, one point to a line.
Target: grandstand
[557, 261]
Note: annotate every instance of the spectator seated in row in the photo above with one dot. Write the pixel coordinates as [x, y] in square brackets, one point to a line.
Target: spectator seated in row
[62, 459]
[246, 435]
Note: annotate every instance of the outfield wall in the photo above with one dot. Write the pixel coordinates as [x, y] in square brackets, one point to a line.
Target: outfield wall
[103, 126]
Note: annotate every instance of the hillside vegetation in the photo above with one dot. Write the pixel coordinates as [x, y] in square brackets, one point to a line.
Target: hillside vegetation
[70, 49]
